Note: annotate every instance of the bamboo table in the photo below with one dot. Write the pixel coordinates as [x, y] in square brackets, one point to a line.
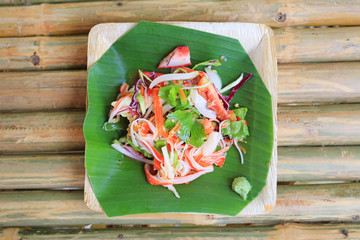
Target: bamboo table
[42, 106]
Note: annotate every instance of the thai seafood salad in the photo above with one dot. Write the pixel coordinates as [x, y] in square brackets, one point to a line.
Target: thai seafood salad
[180, 124]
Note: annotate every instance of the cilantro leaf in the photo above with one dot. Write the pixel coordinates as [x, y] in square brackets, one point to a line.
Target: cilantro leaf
[171, 95]
[240, 112]
[197, 134]
[236, 129]
[186, 121]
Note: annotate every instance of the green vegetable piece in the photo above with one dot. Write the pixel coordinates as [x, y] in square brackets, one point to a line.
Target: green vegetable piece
[241, 186]
[113, 126]
[186, 120]
[141, 101]
[159, 144]
[172, 97]
[236, 129]
[145, 153]
[240, 112]
[197, 134]
[176, 162]
[213, 62]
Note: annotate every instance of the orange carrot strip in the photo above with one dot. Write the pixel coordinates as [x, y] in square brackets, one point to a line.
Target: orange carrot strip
[158, 113]
[182, 94]
[174, 130]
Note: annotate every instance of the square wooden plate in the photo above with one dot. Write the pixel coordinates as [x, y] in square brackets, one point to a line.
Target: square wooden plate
[258, 42]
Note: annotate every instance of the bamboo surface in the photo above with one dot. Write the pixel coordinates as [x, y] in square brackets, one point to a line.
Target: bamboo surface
[299, 84]
[76, 18]
[47, 90]
[34, 2]
[42, 131]
[62, 131]
[45, 171]
[293, 45]
[300, 203]
[288, 231]
[41, 134]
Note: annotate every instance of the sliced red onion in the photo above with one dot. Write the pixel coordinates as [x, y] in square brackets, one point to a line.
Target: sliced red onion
[119, 107]
[126, 152]
[225, 103]
[214, 78]
[172, 77]
[238, 87]
[201, 104]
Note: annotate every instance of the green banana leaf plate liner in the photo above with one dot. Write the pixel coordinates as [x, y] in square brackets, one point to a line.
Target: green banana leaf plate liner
[118, 182]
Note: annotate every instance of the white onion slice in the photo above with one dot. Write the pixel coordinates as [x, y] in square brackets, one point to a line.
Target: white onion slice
[214, 77]
[233, 84]
[178, 180]
[209, 146]
[238, 148]
[172, 189]
[148, 111]
[167, 107]
[167, 164]
[201, 105]
[121, 149]
[196, 87]
[173, 76]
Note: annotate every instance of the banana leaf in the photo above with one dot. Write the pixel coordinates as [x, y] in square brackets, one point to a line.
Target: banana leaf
[118, 182]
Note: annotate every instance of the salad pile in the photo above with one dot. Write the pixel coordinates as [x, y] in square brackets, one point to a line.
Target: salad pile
[180, 124]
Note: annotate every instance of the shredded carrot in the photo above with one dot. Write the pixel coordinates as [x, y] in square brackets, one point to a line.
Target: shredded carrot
[158, 113]
[182, 94]
[242, 148]
[174, 130]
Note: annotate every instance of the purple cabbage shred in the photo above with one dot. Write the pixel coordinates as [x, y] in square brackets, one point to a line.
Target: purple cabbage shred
[237, 87]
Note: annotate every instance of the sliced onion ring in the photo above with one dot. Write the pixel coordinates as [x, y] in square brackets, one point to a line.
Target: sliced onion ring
[172, 77]
[121, 149]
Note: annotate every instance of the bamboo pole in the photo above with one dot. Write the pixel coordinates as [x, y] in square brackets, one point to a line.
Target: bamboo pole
[293, 45]
[280, 231]
[300, 203]
[76, 18]
[45, 171]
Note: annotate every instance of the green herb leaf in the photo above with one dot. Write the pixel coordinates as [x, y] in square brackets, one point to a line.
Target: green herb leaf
[145, 153]
[240, 112]
[236, 129]
[114, 126]
[141, 101]
[197, 134]
[186, 121]
[171, 95]
[159, 144]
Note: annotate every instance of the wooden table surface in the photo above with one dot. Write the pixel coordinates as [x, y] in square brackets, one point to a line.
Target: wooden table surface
[43, 75]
